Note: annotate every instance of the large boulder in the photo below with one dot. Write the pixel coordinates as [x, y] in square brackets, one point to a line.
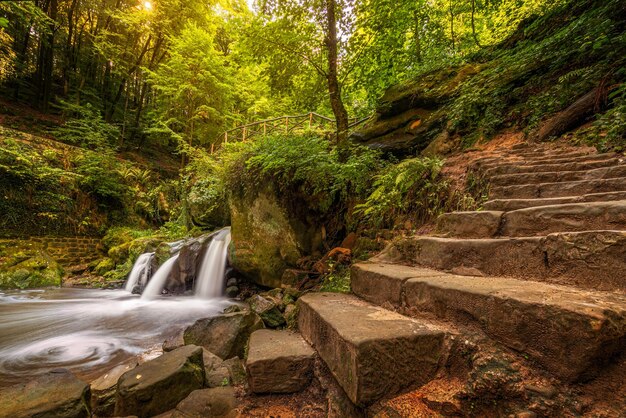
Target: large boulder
[226, 335]
[158, 385]
[103, 389]
[57, 394]
[269, 238]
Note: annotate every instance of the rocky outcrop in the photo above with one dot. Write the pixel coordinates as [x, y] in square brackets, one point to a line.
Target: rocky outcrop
[158, 385]
[278, 362]
[268, 238]
[58, 394]
[226, 335]
[410, 116]
[213, 403]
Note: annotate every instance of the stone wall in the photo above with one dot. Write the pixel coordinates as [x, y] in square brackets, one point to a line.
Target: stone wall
[66, 251]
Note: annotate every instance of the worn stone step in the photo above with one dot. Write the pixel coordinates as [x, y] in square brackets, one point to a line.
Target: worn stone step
[558, 176]
[562, 189]
[571, 217]
[522, 157]
[568, 331]
[575, 166]
[507, 205]
[541, 220]
[497, 162]
[278, 362]
[590, 259]
[371, 352]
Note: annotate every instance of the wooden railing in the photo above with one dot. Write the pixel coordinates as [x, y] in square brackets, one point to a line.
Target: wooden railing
[283, 124]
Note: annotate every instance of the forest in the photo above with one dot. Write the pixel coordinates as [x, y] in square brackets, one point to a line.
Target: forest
[417, 204]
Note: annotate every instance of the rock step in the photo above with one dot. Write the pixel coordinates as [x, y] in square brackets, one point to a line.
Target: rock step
[568, 331]
[589, 259]
[508, 205]
[575, 166]
[371, 352]
[278, 362]
[558, 176]
[562, 189]
[534, 155]
[500, 161]
[541, 220]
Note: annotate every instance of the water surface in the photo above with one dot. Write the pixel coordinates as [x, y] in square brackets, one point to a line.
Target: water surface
[87, 331]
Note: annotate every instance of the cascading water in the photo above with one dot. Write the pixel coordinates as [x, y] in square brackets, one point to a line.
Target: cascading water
[210, 279]
[140, 272]
[157, 282]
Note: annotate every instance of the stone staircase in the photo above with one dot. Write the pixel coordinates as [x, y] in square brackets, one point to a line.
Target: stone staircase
[537, 276]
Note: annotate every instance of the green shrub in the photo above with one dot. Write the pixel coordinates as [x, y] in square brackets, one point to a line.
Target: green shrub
[411, 190]
[85, 127]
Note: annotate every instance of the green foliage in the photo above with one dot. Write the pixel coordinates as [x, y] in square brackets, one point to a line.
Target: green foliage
[85, 127]
[303, 167]
[608, 131]
[337, 281]
[411, 190]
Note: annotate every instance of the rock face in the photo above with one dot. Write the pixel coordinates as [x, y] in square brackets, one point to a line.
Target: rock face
[278, 362]
[226, 335]
[103, 389]
[267, 238]
[57, 394]
[158, 385]
[410, 115]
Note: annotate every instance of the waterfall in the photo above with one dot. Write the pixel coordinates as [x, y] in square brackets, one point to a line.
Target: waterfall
[157, 282]
[140, 272]
[210, 278]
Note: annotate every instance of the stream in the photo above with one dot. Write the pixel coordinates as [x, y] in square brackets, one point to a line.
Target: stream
[87, 331]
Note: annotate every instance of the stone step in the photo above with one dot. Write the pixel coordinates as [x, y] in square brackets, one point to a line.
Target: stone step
[497, 162]
[541, 220]
[371, 352]
[575, 166]
[534, 155]
[558, 176]
[568, 331]
[563, 189]
[590, 259]
[507, 205]
[278, 362]
[573, 217]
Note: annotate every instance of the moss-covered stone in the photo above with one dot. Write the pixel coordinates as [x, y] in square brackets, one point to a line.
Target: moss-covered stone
[37, 271]
[105, 265]
[266, 239]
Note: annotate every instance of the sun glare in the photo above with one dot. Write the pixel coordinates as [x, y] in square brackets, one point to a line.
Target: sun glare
[147, 5]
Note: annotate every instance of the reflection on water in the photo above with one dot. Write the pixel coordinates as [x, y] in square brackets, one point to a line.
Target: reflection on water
[87, 331]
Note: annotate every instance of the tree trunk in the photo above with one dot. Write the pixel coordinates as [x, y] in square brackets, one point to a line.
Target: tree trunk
[416, 36]
[334, 89]
[47, 59]
[474, 25]
[452, 26]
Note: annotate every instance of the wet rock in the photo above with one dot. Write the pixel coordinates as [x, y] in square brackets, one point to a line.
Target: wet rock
[231, 282]
[189, 262]
[103, 389]
[174, 342]
[278, 362]
[56, 394]
[208, 403]
[291, 316]
[226, 335]
[232, 291]
[218, 377]
[293, 277]
[158, 385]
[236, 370]
[267, 309]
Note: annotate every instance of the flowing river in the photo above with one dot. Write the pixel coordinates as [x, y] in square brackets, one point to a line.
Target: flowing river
[87, 331]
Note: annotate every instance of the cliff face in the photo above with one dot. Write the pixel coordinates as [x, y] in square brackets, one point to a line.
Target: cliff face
[554, 74]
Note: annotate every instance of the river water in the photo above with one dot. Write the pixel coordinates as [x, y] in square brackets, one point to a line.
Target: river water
[87, 331]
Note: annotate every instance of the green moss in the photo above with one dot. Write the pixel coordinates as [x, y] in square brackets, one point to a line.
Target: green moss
[105, 265]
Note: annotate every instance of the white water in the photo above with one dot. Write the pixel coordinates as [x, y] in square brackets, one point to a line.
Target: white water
[139, 273]
[87, 331]
[158, 280]
[210, 278]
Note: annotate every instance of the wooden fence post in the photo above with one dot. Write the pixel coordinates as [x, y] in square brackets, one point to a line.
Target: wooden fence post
[225, 137]
[310, 119]
[212, 147]
[287, 124]
[244, 134]
[264, 127]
